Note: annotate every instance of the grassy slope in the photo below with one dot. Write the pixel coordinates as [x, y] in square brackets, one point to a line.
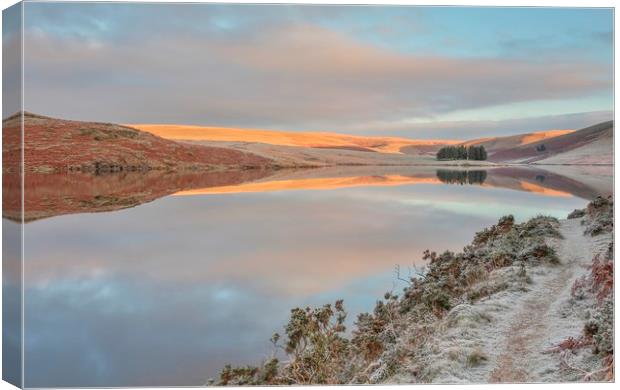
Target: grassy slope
[521, 148]
[288, 138]
[58, 145]
[595, 141]
[512, 141]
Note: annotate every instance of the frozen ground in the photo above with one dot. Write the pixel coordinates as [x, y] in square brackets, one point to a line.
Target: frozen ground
[509, 336]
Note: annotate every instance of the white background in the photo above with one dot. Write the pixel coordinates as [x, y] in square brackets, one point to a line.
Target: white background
[538, 3]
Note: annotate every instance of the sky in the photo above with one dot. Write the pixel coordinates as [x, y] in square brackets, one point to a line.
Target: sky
[419, 72]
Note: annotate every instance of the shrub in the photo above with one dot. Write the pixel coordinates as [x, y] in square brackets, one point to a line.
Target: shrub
[576, 214]
[318, 350]
[504, 225]
[598, 330]
[599, 216]
[600, 326]
[238, 376]
[475, 358]
[539, 252]
[368, 338]
[602, 273]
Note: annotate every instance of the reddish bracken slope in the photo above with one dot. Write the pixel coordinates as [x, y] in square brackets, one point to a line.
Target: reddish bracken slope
[56, 145]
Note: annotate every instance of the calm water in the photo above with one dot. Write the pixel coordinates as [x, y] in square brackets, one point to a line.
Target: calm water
[168, 292]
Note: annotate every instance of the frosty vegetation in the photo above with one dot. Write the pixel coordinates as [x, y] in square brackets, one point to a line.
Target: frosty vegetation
[594, 291]
[401, 340]
[599, 216]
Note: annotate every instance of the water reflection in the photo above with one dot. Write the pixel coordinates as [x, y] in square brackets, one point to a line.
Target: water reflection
[461, 177]
[169, 292]
[49, 195]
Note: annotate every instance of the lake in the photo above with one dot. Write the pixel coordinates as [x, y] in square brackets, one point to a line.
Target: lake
[165, 287]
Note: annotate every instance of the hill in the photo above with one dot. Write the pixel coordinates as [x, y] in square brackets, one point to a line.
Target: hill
[592, 145]
[55, 145]
[496, 144]
[320, 140]
[589, 146]
[583, 147]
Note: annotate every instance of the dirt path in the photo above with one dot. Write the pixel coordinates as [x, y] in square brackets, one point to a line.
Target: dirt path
[540, 319]
[507, 337]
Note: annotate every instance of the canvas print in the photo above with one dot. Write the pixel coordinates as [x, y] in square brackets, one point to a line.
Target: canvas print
[203, 194]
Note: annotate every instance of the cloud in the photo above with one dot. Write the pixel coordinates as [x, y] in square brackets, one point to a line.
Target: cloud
[288, 75]
[470, 129]
[604, 37]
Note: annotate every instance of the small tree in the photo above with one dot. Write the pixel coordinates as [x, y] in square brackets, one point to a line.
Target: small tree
[471, 153]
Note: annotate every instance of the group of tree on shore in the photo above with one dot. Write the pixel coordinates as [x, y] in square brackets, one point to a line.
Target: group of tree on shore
[462, 153]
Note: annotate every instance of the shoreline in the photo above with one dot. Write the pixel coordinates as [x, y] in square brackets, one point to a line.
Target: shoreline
[512, 307]
[118, 169]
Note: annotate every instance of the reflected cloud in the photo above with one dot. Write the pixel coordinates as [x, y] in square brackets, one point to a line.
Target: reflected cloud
[313, 184]
[531, 187]
[50, 195]
[195, 282]
[516, 178]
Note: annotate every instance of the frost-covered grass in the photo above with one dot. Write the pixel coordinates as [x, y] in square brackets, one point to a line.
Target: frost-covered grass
[599, 216]
[432, 328]
[579, 354]
[590, 355]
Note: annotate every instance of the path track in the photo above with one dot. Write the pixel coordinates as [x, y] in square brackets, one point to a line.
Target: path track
[533, 326]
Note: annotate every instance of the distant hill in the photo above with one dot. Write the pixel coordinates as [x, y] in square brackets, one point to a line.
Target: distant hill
[53, 145]
[543, 147]
[56, 145]
[495, 144]
[320, 140]
[591, 145]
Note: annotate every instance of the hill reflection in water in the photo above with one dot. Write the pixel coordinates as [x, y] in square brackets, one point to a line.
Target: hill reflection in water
[49, 195]
[208, 275]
